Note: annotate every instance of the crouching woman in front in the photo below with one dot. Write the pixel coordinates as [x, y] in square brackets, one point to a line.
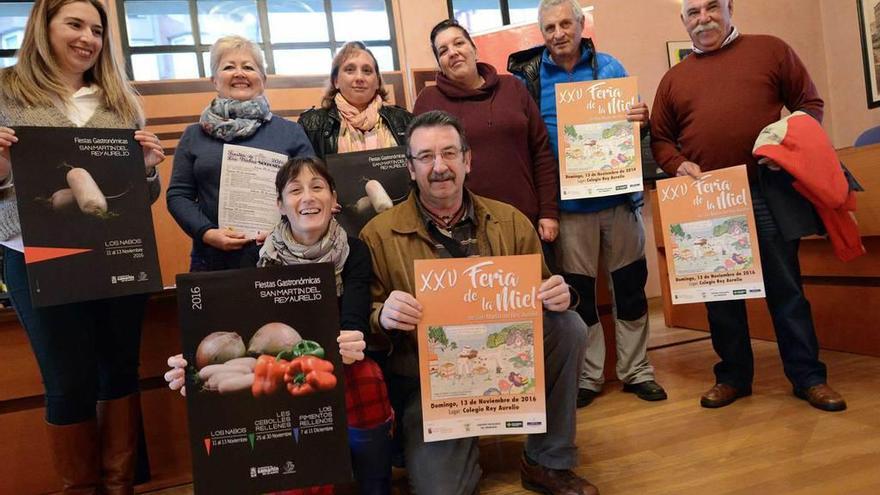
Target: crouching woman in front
[307, 233]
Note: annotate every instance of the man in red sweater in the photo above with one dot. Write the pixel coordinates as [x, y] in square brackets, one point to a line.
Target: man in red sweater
[708, 111]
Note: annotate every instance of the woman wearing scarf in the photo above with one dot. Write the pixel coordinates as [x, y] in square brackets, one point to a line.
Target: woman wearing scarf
[238, 115]
[508, 138]
[307, 233]
[353, 114]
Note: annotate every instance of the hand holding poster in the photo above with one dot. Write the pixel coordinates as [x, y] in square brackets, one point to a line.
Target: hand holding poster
[368, 183]
[265, 390]
[84, 207]
[247, 201]
[599, 150]
[481, 347]
[710, 237]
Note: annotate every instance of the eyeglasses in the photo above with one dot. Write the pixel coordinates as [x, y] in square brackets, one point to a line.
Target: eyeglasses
[447, 156]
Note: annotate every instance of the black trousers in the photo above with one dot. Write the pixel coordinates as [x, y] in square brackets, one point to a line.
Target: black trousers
[789, 309]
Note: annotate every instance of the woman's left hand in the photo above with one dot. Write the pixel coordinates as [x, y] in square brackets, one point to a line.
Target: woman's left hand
[351, 345]
[7, 139]
[153, 151]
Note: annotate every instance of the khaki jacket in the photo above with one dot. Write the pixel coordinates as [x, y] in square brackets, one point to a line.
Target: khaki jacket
[398, 236]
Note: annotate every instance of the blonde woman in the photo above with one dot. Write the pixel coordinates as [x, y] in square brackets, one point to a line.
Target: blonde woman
[353, 114]
[66, 76]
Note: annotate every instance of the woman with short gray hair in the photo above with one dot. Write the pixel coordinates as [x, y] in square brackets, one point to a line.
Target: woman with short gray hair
[238, 115]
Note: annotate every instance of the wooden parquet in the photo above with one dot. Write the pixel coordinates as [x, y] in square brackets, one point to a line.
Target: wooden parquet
[769, 443]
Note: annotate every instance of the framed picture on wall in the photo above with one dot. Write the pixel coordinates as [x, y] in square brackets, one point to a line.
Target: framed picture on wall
[678, 50]
[869, 14]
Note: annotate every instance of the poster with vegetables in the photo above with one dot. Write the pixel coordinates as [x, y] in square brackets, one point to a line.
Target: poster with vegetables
[84, 207]
[247, 201]
[710, 237]
[481, 346]
[368, 183]
[599, 150]
[264, 382]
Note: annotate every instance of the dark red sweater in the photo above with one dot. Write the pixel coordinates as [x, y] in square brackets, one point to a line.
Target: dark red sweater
[710, 108]
[511, 158]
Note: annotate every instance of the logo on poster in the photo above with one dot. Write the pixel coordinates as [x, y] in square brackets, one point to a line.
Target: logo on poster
[121, 278]
[289, 468]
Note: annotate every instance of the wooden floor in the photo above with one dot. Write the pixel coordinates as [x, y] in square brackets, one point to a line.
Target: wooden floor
[769, 443]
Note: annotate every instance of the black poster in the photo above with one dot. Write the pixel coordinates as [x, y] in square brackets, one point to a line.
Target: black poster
[85, 214]
[265, 389]
[368, 183]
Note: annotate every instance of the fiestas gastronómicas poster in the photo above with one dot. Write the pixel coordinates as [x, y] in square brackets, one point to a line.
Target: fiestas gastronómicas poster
[84, 206]
[265, 390]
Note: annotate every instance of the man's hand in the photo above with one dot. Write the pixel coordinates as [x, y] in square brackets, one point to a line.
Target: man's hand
[554, 293]
[351, 345]
[638, 113]
[224, 239]
[548, 229]
[689, 168]
[400, 312]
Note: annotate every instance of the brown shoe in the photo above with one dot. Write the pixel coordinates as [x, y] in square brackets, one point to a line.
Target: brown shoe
[723, 394]
[118, 422]
[540, 479]
[822, 397]
[75, 454]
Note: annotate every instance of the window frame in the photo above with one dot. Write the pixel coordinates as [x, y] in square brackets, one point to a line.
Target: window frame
[502, 4]
[11, 52]
[265, 44]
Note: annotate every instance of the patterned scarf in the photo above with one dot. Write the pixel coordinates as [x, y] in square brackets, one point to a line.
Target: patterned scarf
[362, 130]
[227, 119]
[281, 248]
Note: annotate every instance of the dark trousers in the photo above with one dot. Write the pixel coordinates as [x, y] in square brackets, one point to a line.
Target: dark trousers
[788, 307]
[86, 351]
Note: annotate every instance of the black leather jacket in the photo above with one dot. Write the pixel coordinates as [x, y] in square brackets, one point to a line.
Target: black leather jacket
[526, 64]
[322, 126]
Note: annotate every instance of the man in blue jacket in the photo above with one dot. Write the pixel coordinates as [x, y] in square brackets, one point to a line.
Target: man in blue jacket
[612, 224]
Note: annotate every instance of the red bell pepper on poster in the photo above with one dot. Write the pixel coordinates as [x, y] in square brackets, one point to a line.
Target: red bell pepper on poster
[268, 375]
[309, 374]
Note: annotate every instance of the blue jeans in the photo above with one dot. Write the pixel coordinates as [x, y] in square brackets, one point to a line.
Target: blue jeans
[789, 310]
[87, 351]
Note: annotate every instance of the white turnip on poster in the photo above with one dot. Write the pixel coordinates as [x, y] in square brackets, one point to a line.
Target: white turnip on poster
[368, 183]
[84, 206]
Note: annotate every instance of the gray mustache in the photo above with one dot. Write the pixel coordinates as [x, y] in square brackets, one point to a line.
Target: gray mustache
[706, 27]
